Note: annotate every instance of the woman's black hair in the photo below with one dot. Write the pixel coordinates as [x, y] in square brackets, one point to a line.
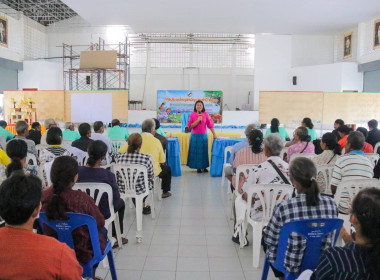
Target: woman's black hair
[96, 150]
[344, 129]
[364, 131]
[366, 208]
[134, 142]
[303, 171]
[157, 123]
[308, 122]
[16, 150]
[62, 174]
[195, 106]
[332, 143]
[255, 138]
[54, 136]
[274, 124]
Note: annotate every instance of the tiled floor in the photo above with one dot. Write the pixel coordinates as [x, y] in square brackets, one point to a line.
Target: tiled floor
[190, 239]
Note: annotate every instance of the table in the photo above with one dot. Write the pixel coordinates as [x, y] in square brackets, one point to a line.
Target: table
[11, 128]
[184, 141]
[173, 156]
[217, 155]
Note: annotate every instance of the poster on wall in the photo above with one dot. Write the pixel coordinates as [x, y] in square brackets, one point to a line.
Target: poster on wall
[3, 31]
[171, 104]
[376, 35]
[347, 51]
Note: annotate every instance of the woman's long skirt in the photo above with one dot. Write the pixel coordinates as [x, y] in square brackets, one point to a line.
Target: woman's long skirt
[198, 151]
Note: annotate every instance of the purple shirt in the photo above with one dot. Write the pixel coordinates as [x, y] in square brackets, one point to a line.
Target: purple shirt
[201, 127]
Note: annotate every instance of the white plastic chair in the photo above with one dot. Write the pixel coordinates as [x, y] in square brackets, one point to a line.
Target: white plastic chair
[283, 151]
[100, 188]
[374, 158]
[270, 195]
[227, 150]
[306, 155]
[116, 145]
[157, 183]
[325, 170]
[39, 148]
[129, 174]
[67, 142]
[47, 168]
[31, 159]
[376, 147]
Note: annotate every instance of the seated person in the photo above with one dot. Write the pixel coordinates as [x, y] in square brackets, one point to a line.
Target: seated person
[69, 133]
[153, 147]
[92, 172]
[25, 254]
[308, 124]
[61, 198]
[253, 154]
[373, 134]
[35, 133]
[116, 132]
[22, 131]
[133, 156]
[337, 124]
[163, 140]
[308, 204]
[84, 141]
[6, 134]
[359, 259]
[275, 128]
[48, 123]
[17, 151]
[367, 148]
[343, 131]
[301, 143]
[99, 135]
[353, 165]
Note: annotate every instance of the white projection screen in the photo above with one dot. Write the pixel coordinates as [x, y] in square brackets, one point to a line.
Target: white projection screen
[91, 107]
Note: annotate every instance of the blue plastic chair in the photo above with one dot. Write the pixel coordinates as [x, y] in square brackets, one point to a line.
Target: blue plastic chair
[184, 119]
[313, 230]
[64, 231]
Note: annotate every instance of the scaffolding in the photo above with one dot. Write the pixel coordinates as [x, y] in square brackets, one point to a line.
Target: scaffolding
[75, 78]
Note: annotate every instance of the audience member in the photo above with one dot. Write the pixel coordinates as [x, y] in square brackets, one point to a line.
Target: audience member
[99, 135]
[25, 254]
[373, 134]
[69, 133]
[116, 132]
[48, 123]
[4, 132]
[35, 133]
[301, 143]
[337, 124]
[306, 122]
[133, 156]
[238, 146]
[17, 151]
[61, 198]
[92, 172]
[153, 147]
[163, 140]
[253, 154]
[160, 131]
[84, 141]
[275, 128]
[308, 204]
[22, 132]
[343, 131]
[359, 259]
[367, 148]
[353, 165]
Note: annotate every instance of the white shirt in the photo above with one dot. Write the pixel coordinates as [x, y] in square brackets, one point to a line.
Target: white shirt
[99, 136]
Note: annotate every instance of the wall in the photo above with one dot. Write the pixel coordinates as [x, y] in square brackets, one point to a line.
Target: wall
[371, 81]
[8, 74]
[43, 75]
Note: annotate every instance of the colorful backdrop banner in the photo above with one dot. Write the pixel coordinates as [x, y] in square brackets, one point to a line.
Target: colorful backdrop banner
[173, 103]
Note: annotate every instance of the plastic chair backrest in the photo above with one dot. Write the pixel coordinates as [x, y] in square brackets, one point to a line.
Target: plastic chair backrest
[47, 167]
[67, 142]
[374, 158]
[314, 231]
[270, 195]
[376, 147]
[31, 159]
[227, 153]
[245, 169]
[352, 187]
[129, 173]
[184, 119]
[40, 147]
[325, 170]
[96, 191]
[307, 155]
[283, 151]
[116, 145]
[64, 230]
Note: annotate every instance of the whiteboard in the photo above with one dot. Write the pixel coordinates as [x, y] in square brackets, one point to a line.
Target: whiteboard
[91, 107]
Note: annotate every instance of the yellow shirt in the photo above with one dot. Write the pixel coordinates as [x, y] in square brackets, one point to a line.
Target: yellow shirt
[152, 146]
[4, 159]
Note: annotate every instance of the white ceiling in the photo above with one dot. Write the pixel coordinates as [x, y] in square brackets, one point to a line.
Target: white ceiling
[222, 16]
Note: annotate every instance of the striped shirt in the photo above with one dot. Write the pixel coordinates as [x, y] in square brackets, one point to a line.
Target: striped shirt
[353, 165]
[342, 263]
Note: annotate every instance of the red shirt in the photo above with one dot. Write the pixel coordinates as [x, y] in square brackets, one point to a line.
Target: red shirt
[342, 141]
[27, 255]
[367, 148]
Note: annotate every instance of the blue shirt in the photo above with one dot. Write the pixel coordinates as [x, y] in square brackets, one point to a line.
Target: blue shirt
[236, 148]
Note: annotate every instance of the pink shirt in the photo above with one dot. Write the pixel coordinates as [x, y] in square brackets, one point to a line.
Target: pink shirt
[297, 149]
[201, 127]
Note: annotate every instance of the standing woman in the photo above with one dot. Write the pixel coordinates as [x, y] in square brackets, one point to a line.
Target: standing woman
[198, 148]
[306, 122]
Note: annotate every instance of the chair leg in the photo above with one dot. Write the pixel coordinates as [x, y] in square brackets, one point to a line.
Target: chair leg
[151, 195]
[118, 231]
[112, 265]
[264, 275]
[139, 209]
[233, 207]
[222, 181]
[256, 245]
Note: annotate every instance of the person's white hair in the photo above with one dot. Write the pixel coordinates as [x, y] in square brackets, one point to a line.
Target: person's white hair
[68, 125]
[49, 122]
[274, 144]
[21, 126]
[249, 128]
[148, 125]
